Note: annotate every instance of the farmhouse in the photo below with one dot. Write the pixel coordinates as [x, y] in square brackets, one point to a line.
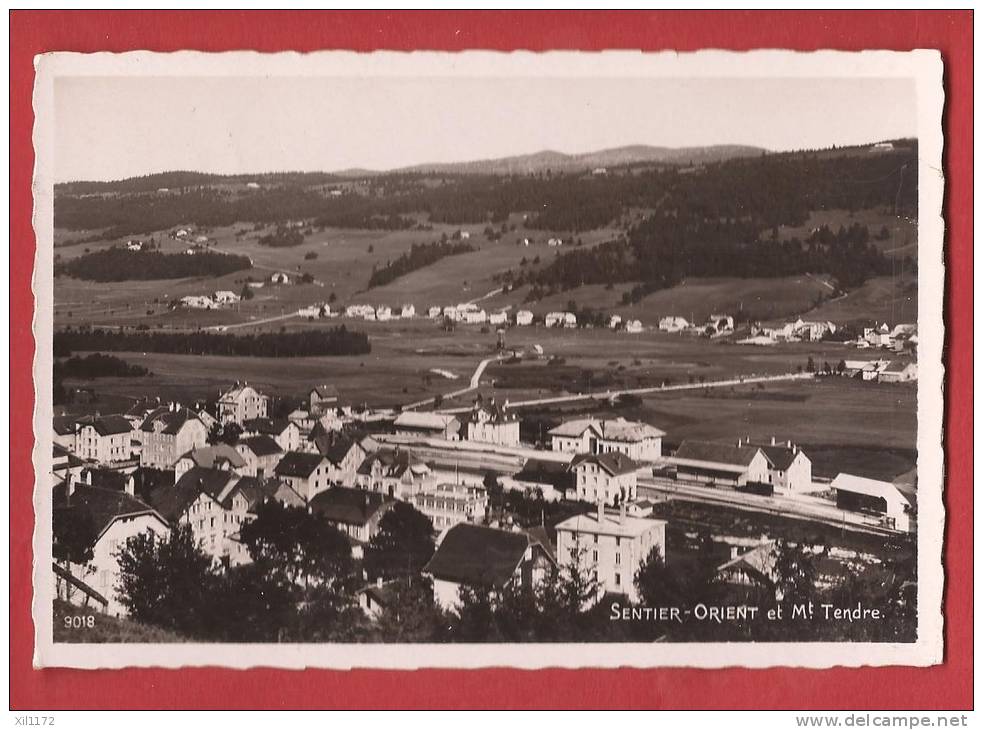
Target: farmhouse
[859, 494]
[719, 324]
[754, 567]
[554, 242]
[436, 425]
[434, 312]
[197, 302]
[615, 321]
[605, 478]
[492, 423]
[383, 313]
[633, 326]
[355, 512]
[134, 245]
[673, 324]
[721, 464]
[497, 318]
[897, 371]
[408, 311]
[306, 474]
[475, 316]
[226, 297]
[104, 439]
[169, 432]
[555, 319]
[612, 547]
[241, 403]
[484, 556]
[111, 517]
[523, 318]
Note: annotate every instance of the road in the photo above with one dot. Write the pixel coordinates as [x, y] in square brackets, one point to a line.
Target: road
[644, 391]
[251, 323]
[473, 385]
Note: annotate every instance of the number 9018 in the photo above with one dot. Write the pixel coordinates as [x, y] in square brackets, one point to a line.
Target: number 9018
[80, 622]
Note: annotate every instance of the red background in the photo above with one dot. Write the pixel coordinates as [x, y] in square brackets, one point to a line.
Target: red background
[945, 686]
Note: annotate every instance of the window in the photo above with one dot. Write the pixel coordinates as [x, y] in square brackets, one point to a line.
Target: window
[595, 556]
[617, 579]
[617, 558]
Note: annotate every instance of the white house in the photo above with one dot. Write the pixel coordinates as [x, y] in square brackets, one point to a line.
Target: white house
[633, 326]
[434, 312]
[637, 440]
[226, 297]
[673, 324]
[307, 474]
[408, 311]
[280, 278]
[421, 423]
[492, 423]
[476, 317]
[198, 302]
[383, 313]
[523, 318]
[447, 505]
[168, 433]
[859, 494]
[613, 547]
[615, 321]
[240, 403]
[497, 318]
[485, 556]
[115, 517]
[134, 245]
[610, 478]
[790, 469]
[897, 371]
[554, 242]
[105, 439]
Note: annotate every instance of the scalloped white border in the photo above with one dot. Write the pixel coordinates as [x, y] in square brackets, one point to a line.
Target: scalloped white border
[924, 67]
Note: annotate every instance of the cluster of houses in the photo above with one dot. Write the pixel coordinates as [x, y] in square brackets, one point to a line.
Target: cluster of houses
[210, 301]
[161, 465]
[716, 325]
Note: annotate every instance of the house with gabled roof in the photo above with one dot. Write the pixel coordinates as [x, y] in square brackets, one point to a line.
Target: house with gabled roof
[492, 423]
[284, 431]
[111, 517]
[486, 557]
[241, 402]
[547, 478]
[305, 473]
[898, 371]
[422, 423]
[874, 497]
[260, 453]
[344, 453]
[214, 456]
[322, 398]
[396, 472]
[356, 512]
[169, 432]
[104, 439]
[635, 439]
[790, 469]
[609, 478]
[719, 464]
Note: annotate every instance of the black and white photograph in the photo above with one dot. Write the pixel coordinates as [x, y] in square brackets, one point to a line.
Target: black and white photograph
[435, 359]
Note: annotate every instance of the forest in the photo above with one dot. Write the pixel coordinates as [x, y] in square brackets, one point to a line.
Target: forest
[120, 264]
[417, 257]
[322, 342]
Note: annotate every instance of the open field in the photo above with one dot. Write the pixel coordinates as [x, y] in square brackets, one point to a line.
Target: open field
[881, 299]
[901, 241]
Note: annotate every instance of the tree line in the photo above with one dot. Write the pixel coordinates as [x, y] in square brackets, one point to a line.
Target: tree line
[321, 342]
[419, 256]
[120, 264]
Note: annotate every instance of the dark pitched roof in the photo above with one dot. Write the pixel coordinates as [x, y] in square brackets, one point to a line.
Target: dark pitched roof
[613, 462]
[394, 462]
[477, 555]
[105, 478]
[172, 420]
[348, 506]
[331, 444]
[102, 505]
[262, 445]
[325, 391]
[172, 500]
[208, 456]
[63, 425]
[717, 453]
[298, 464]
[106, 425]
[780, 456]
[543, 471]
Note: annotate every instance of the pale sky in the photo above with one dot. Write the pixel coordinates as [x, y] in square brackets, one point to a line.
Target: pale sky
[112, 128]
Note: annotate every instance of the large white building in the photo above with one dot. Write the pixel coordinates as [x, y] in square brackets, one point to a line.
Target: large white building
[640, 441]
[612, 547]
[104, 439]
[493, 424]
[240, 403]
[168, 433]
[423, 423]
[610, 478]
[875, 497]
[719, 464]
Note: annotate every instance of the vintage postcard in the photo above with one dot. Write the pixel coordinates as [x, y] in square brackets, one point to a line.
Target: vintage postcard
[477, 359]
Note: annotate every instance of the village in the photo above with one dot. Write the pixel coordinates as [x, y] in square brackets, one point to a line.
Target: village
[212, 465]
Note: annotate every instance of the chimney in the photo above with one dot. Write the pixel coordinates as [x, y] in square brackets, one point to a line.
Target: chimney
[623, 513]
[772, 440]
[789, 443]
[88, 477]
[129, 486]
[600, 511]
[378, 581]
[70, 485]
